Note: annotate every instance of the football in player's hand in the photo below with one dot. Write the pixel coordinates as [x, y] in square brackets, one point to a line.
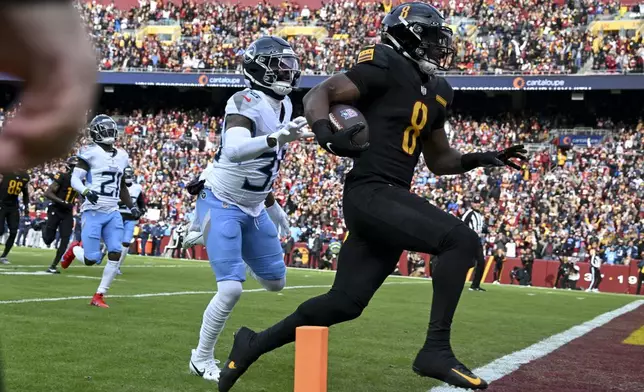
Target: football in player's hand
[344, 117]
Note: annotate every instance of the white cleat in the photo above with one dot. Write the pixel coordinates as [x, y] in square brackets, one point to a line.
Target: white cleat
[193, 238]
[4, 261]
[208, 370]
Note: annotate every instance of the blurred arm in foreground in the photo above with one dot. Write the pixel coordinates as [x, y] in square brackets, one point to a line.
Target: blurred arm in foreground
[45, 44]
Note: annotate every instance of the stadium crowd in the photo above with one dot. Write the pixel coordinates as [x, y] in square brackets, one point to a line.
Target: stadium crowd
[562, 202]
[529, 36]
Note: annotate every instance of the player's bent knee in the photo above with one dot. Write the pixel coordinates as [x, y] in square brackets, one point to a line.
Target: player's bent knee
[229, 292]
[114, 255]
[463, 237]
[273, 285]
[331, 308]
[126, 244]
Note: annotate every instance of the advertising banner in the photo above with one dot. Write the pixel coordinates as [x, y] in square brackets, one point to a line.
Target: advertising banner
[458, 82]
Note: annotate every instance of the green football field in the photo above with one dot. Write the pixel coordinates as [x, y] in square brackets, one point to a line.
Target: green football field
[52, 340]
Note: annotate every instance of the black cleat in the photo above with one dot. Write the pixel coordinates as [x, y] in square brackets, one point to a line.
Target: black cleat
[53, 270]
[239, 360]
[443, 365]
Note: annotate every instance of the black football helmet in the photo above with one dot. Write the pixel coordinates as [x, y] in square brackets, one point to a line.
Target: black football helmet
[270, 65]
[71, 163]
[103, 130]
[418, 32]
[128, 175]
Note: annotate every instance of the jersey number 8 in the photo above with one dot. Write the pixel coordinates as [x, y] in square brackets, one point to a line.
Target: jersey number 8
[412, 132]
[15, 187]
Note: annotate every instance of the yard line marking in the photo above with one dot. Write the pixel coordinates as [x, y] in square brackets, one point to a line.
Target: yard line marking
[175, 293]
[43, 273]
[505, 365]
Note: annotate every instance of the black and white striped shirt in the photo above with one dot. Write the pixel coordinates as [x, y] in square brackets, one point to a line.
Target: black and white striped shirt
[595, 261]
[474, 220]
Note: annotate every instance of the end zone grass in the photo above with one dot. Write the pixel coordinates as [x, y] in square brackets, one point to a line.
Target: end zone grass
[142, 343]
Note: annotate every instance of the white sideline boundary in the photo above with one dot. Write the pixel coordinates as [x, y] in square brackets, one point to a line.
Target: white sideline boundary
[43, 273]
[174, 293]
[507, 364]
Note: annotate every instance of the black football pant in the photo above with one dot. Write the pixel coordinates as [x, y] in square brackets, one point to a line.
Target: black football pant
[12, 218]
[595, 278]
[639, 282]
[382, 221]
[479, 268]
[498, 269]
[63, 222]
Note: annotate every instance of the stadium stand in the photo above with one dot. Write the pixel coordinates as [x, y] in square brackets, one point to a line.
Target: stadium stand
[529, 36]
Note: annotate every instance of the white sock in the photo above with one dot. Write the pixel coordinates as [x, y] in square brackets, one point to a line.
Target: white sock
[215, 316]
[109, 273]
[79, 253]
[123, 255]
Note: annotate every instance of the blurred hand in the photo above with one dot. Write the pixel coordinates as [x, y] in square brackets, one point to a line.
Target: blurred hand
[45, 45]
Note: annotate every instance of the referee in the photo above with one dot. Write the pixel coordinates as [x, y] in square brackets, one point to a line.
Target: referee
[474, 220]
[595, 272]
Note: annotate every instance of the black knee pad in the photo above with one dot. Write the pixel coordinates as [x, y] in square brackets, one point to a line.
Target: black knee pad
[125, 245]
[331, 308]
[114, 256]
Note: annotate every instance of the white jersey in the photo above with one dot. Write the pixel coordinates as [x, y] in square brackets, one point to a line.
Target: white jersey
[135, 191]
[246, 184]
[104, 176]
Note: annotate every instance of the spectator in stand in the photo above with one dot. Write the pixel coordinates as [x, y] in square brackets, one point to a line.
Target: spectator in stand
[527, 36]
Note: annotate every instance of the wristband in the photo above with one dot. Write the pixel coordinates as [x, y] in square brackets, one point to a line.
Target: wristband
[322, 129]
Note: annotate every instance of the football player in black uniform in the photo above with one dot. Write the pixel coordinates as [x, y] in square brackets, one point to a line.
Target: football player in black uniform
[405, 105]
[60, 214]
[11, 186]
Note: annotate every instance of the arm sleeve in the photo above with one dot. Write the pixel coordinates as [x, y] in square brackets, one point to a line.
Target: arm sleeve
[239, 146]
[140, 201]
[444, 98]
[78, 175]
[25, 197]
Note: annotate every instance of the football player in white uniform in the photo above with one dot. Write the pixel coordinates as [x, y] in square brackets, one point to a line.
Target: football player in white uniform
[98, 176]
[236, 227]
[129, 220]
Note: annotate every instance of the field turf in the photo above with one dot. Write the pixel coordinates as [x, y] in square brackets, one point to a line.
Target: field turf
[142, 343]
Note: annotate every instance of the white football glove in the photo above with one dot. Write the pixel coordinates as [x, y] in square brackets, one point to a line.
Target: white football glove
[191, 239]
[279, 217]
[289, 132]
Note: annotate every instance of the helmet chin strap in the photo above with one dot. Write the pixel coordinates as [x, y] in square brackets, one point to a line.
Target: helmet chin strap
[281, 89]
[108, 142]
[425, 66]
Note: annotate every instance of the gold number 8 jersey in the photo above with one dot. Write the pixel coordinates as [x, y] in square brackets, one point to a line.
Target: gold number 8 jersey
[402, 108]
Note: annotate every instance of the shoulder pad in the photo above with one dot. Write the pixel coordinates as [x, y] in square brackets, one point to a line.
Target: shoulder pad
[243, 102]
[86, 152]
[375, 55]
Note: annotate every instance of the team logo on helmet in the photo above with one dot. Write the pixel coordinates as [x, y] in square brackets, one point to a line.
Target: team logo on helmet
[249, 54]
